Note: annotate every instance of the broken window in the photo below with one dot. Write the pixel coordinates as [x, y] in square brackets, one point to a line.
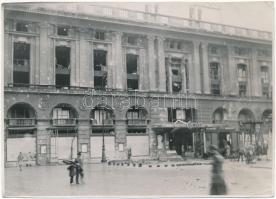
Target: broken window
[242, 89]
[132, 40]
[242, 71]
[62, 66]
[100, 82]
[215, 88]
[176, 87]
[176, 74]
[100, 60]
[132, 84]
[100, 35]
[21, 62]
[214, 71]
[62, 56]
[22, 26]
[264, 74]
[132, 63]
[186, 115]
[102, 116]
[62, 31]
[132, 69]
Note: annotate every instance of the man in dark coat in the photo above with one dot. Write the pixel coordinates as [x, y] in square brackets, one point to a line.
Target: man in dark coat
[218, 186]
[72, 172]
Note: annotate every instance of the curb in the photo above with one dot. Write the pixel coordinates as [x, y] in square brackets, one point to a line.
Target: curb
[128, 164]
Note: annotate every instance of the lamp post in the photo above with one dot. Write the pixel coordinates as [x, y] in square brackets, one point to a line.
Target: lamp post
[103, 146]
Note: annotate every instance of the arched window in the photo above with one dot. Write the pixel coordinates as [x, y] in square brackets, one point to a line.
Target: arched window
[102, 115]
[218, 115]
[64, 115]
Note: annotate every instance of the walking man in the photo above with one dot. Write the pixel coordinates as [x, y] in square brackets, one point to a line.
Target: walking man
[218, 186]
[79, 169]
[20, 159]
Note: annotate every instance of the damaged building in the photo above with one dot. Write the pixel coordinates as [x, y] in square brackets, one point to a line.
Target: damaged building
[153, 83]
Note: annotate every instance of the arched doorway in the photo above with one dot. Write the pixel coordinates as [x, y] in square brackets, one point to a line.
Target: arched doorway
[21, 132]
[137, 135]
[246, 120]
[64, 132]
[102, 133]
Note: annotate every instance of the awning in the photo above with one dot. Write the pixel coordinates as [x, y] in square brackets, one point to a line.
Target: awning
[62, 128]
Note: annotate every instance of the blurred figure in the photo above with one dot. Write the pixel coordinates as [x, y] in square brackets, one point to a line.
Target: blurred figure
[20, 159]
[79, 170]
[218, 186]
[72, 172]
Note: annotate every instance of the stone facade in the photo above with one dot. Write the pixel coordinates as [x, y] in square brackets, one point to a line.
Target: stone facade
[157, 47]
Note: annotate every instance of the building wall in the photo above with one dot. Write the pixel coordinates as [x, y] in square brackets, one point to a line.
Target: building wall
[154, 93]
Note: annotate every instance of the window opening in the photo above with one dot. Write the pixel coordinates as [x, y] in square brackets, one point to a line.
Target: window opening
[21, 62]
[62, 66]
[100, 35]
[242, 89]
[132, 40]
[21, 26]
[100, 82]
[62, 31]
[242, 70]
[100, 60]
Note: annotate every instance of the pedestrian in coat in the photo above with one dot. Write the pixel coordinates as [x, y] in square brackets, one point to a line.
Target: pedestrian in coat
[72, 172]
[218, 186]
[79, 160]
[20, 159]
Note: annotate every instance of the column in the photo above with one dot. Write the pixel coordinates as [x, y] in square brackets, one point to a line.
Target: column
[195, 85]
[84, 56]
[37, 68]
[33, 58]
[110, 66]
[143, 73]
[183, 74]
[232, 67]
[120, 71]
[120, 139]
[74, 63]
[43, 139]
[205, 68]
[8, 65]
[169, 74]
[161, 65]
[47, 76]
[84, 131]
[255, 80]
[151, 63]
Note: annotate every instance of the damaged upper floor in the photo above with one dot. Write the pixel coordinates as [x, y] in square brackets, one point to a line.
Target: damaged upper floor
[98, 56]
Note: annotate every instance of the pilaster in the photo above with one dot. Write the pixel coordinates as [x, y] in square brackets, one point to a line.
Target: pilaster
[85, 66]
[43, 139]
[151, 63]
[153, 143]
[205, 68]
[84, 138]
[45, 54]
[233, 80]
[8, 65]
[120, 139]
[120, 73]
[161, 65]
[143, 80]
[255, 77]
[195, 86]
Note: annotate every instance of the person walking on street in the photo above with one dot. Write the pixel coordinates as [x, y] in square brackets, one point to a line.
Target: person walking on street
[80, 165]
[72, 172]
[20, 159]
[218, 186]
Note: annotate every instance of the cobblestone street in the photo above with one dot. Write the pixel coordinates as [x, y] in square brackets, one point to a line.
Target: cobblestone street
[102, 180]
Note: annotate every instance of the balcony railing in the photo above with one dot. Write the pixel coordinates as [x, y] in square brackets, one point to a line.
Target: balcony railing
[21, 122]
[137, 122]
[21, 65]
[106, 122]
[64, 122]
[149, 18]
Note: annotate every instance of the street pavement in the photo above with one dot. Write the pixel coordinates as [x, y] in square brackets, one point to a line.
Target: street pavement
[104, 180]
